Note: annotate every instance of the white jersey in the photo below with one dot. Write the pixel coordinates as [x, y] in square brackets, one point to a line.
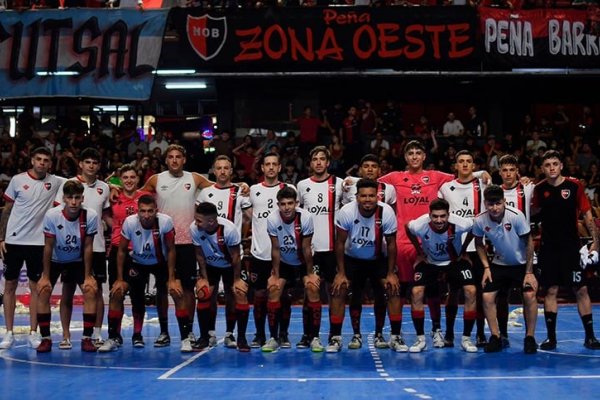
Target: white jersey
[506, 236]
[465, 199]
[176, 197]
[386, 193]
[144, 243]
[264, 201]
[96, 196]
[228, 200]
[32, 198]
[68, 234]
[290, 234]
[520, 197]
[366, 236]
[322, 199]
[440, 248]
[215, 246]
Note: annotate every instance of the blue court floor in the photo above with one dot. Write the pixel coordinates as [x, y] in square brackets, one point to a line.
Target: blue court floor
[570, 372]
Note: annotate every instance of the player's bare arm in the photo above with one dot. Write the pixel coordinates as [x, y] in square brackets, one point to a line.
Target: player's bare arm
[3, 225]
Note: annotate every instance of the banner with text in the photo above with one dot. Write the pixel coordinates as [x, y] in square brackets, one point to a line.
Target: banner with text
[309, 39]
[80, 53]
[544, 38]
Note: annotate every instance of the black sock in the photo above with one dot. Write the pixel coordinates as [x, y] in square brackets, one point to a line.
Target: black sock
[203, 313]
[274, 314]
[355, 313]
[286, 314]
[418, 317]
[550, 318]
[114, 323]
[183, 320]
[260, 314]
[242, 312]
[44, 323]
[164, 323]
[451, 311]
[588, 325]
[89, 320]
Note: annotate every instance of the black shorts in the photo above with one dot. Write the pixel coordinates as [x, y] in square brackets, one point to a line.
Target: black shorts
[99, 266]
[505, 277]
[73, 272]
[135, 273]
[559, 266]
[325, 265]
[358, 271]
[14, 257]
[215, 274]
[260, 271]
[185, 266]
[293, 274]
[457, 274]
[112, 265]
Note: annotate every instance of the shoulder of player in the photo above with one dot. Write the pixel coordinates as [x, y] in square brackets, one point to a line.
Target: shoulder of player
[460, 221]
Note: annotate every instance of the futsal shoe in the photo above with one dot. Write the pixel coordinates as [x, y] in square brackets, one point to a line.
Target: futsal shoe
[438, 339]
[258, 341]
[398, 344]
[355, 342]
[548, 344]
[284, 341]
[229, 341]
[592, 343]
[529, 345]
[45, 346]
[212, 339]
[138, 341]
[271, 346]
[201, 343]
[8, 340]
[87, 345]
[505, 342]
[242, 345]
[419, 345]
[316, 346]
[380, 342]
[467, 345]
[334, 345]
[304, 342]
[34, 339]
[65, 344]
[481, 341]
[186, 345]
[163, 340]
[109, 345]
[494, 345]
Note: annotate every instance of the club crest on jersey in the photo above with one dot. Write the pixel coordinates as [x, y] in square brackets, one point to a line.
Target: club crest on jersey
[206, 35]
[565, 193]
[425, 179]
[378, 222]
[187, 186]
[415, 188]
[331, 188]
[233, 195]
[417, 277]
[520, 193]
[100, 191]
[508, 226]
[48, 185]
[25, 187]
[133, 272]
[487, 229]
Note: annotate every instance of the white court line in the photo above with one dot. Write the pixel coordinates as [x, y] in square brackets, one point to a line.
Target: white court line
[4, 356]
[357, 379]
[167, 375]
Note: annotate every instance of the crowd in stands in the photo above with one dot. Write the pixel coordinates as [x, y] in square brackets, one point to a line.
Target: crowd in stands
[348, 132]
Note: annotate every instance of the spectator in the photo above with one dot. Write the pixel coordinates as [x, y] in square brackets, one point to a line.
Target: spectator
[223, 144]
[245, 154]
[336, 149]
[309, 125]
[136, 145]
[534, 144]
[106, 127]
[158, 142]
[586, 157]
[379, 143]
[390, 121]
[453, 127]
[476, 125]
